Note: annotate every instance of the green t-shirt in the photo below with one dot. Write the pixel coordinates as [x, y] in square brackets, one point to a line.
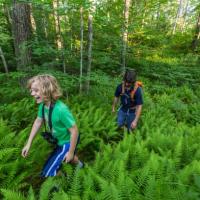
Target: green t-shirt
[62, 120]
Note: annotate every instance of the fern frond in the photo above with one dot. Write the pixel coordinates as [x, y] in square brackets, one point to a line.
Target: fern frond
[31, 195]
[46, 187]
[11, 195]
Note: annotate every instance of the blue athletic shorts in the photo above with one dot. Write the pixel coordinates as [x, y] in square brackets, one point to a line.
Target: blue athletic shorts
[55, 160]
[125, 118]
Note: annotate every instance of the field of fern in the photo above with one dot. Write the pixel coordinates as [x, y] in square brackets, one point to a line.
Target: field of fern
[160, 160]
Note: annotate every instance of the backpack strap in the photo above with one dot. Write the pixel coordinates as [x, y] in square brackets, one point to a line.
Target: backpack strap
[49, 117]
[137, 85]
[123, 88]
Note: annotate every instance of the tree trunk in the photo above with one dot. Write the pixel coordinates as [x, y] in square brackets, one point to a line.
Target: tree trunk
[195, 41]
[4, 61]
[81, 49]
[9, 22]
[57, 23]
[33, 23]
[158, 15]
[144, 13]
[177, 17]
[185, 16]
[59, 39]
[90, 35]
[21, 29]
[125, 33]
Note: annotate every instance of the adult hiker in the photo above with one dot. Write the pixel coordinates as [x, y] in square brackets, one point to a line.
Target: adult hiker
[130, 94]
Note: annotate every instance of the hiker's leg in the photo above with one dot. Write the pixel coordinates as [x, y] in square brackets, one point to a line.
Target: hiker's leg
[53, 163]
[121, 117]
[130, 118]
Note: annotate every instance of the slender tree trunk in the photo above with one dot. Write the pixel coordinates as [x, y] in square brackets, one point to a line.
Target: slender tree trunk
[125, 33]
[158, 15]
[33, 23]
[61, 42]
[64, 35]
[21, 28]
[46, 25]
[4, 61]
[9, 22]
[57, 24]
[81, 49]
[90, 37]
[195, 41]
[71, 32]
[59, 39]
[185, 16]
[177, 17]
[144, 13]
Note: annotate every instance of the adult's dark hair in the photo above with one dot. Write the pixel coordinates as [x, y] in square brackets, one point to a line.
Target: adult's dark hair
[130, 76]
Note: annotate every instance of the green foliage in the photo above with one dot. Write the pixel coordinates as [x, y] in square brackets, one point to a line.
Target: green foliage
[158, 161]
[9, 195]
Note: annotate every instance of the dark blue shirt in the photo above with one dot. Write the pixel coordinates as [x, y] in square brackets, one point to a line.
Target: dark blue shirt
[127, 104]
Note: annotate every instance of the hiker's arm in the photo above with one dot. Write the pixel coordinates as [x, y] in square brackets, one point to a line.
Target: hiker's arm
[73, 141]
[137, 116]
[115, 102]
[35, 128]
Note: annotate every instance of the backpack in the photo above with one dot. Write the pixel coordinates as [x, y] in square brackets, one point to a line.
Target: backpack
[132, 93]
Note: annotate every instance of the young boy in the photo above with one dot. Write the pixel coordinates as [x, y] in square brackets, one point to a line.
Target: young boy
[57, 117]
[130, 94]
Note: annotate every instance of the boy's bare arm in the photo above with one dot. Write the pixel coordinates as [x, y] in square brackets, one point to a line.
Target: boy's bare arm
[73, 141]
[35, 128]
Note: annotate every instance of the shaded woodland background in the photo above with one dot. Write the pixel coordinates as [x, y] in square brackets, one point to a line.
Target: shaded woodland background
[83, 36]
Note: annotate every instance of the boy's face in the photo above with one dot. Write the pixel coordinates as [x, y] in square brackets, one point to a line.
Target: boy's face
[36, 92]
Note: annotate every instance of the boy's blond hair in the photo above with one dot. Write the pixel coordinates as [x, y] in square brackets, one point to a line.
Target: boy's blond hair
[49, 87]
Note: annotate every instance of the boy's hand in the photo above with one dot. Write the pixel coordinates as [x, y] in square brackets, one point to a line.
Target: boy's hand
[25, 150]
[69, 157]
